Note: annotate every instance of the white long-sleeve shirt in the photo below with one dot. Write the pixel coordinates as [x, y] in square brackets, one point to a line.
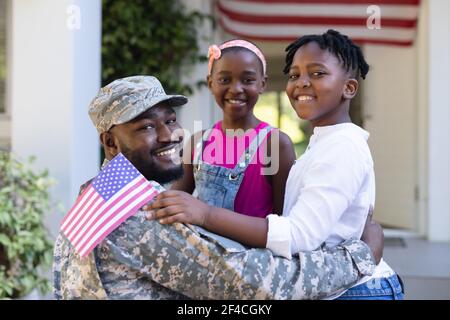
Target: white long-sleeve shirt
[328, 194]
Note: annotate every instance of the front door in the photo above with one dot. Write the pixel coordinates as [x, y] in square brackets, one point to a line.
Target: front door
[389, 114]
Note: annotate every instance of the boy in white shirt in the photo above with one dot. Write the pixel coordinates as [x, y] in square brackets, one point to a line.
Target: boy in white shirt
[330, 187]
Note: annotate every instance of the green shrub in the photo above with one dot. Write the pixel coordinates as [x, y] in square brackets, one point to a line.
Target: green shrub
[25, 249]
[150, 37]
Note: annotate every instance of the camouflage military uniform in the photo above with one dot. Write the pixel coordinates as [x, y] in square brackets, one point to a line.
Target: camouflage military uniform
[79, 278]
[143, 259]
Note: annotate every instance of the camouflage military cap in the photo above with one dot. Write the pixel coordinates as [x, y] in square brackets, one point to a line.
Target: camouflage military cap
[124, 99]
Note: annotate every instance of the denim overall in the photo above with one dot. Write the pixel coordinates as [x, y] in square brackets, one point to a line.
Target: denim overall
[216, 185]
[390, 288]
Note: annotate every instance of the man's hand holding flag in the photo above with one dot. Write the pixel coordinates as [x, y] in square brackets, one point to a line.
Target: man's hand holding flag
[115, 194]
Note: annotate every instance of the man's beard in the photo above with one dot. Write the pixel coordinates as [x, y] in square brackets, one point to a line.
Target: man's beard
[151, 170]
[163, 176]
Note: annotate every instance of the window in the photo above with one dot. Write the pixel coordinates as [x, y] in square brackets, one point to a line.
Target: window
[3, 36]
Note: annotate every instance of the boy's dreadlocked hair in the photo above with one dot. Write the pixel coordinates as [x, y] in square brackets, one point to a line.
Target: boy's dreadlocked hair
[338, 44]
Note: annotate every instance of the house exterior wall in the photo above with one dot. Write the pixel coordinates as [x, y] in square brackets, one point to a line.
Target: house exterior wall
[389, 114]
[201, 111]
[416, 157]
[54, 71]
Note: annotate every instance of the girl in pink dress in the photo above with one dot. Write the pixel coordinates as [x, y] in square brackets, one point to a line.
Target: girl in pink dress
[226, 163]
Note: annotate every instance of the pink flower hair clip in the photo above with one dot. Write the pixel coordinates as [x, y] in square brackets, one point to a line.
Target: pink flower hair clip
[214, 53]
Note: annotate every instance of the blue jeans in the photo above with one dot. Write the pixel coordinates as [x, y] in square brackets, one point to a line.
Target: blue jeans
[376, 289]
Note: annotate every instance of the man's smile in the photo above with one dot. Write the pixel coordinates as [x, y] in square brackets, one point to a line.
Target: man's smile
[167, 152]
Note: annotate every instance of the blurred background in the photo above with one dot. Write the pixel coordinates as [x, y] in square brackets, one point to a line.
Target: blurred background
[55, 55]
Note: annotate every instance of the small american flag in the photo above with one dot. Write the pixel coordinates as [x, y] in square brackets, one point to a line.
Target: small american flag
[114, 195]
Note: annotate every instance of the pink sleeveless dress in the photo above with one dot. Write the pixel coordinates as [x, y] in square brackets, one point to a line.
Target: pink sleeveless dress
[254, 197]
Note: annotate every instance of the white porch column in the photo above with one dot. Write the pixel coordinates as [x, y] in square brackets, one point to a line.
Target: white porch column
[55, 72]
[201, 105]
[439, 121]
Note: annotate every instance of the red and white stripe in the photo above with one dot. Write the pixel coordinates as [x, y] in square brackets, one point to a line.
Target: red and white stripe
[286, 20]
[92, 219]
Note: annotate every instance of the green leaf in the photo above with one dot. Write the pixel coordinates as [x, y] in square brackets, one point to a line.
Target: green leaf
[25, 248]
[4, 240]
[156, 37]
